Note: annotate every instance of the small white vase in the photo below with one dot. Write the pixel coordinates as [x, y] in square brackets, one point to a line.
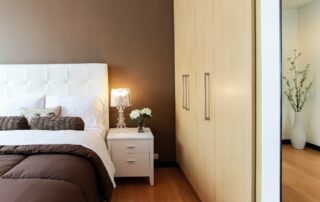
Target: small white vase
[298, 136]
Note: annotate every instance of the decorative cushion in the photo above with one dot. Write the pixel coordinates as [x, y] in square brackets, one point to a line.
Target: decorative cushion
[57, 123]
[30, 113]
[13, 123]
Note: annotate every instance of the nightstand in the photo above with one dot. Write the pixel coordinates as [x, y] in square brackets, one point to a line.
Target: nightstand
[132, 152]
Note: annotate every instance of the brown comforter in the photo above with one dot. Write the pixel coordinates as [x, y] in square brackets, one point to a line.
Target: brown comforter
[52, 173]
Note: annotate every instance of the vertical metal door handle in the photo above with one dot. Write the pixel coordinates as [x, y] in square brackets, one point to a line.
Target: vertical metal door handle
[183, 91]
[187, 92]
[207, 96]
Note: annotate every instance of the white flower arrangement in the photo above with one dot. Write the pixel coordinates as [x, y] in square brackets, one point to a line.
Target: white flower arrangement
[146, 111]
[143, 113]
[140, 115]
[135, 114]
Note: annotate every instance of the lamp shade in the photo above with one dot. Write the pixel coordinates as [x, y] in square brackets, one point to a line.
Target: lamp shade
[120, 97]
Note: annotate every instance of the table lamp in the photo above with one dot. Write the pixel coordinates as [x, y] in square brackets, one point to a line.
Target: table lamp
[120, 98]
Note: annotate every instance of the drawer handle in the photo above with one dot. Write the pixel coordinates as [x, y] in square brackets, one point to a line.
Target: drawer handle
[131, 161]
[131, 147]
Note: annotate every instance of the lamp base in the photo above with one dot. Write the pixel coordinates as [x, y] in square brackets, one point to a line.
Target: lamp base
[121, 123]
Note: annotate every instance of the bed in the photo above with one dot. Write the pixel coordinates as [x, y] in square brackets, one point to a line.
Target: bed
[62, 165]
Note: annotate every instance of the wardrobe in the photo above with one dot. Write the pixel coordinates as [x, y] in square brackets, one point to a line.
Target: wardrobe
[215, 97]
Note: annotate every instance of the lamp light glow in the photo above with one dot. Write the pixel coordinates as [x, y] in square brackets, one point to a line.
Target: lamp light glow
[120, 98]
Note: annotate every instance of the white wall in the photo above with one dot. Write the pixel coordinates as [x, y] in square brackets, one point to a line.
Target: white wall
[301, 30]
[289, 43]
[309, 44]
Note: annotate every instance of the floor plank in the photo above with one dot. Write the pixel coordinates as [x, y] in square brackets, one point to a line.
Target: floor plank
[300, 175]
[170, 186]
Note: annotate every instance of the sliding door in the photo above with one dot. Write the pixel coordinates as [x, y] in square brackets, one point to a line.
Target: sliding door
[214, 48]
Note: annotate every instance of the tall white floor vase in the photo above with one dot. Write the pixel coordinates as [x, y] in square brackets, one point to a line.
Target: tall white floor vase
[298, 135]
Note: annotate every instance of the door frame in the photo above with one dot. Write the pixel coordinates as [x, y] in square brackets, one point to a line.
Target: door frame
[268, 100]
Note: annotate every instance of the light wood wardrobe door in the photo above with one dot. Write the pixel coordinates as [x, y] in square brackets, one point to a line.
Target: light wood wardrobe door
[194, 58]
[233, 100]
[204, 141]
[184, 64]
[215, 138]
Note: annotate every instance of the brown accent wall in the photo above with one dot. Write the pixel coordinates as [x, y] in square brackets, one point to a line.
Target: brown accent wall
[135, 38]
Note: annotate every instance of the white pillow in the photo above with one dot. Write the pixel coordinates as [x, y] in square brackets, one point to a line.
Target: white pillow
[89, 108]
[10, 106]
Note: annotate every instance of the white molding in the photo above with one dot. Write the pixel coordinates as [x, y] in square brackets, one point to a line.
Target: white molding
[268, 101]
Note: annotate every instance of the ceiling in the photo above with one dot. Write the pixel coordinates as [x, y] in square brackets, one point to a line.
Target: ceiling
[294, 3]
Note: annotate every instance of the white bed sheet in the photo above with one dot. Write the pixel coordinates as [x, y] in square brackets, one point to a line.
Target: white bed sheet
[90, 138]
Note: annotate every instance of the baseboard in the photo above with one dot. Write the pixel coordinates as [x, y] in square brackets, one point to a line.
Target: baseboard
[286, 141]
[309, 145]
[313, 146]
[166, 164]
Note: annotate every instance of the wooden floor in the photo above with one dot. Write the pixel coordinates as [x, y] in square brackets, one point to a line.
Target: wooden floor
[300, 175]
[170, 186]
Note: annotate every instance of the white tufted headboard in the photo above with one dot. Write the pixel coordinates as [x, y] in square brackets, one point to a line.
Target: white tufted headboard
[55, 79]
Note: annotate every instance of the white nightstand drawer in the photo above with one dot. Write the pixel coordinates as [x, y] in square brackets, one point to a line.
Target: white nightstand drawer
[130, 146]
[131, 165]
